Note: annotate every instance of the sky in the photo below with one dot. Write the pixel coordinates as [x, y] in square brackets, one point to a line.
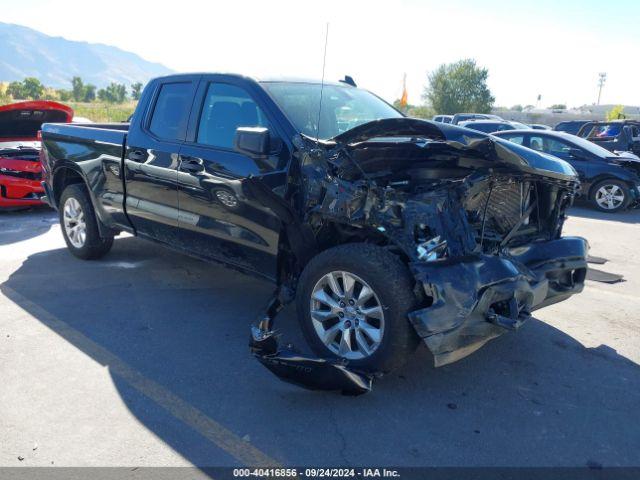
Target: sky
[551, 48]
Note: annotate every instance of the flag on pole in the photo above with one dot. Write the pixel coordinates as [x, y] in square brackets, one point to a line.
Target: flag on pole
[404, 98]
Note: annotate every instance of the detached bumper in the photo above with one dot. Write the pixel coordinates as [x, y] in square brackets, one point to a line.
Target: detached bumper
[477, 299]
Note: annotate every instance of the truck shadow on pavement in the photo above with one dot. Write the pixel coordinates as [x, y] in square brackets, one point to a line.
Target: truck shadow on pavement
[173, 332]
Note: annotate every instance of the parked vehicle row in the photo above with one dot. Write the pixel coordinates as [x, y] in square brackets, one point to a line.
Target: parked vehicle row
[610, 182]
[484, 119]
[341, 206]
[490, 126]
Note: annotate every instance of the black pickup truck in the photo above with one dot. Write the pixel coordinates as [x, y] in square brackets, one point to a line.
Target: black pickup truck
[384, 230]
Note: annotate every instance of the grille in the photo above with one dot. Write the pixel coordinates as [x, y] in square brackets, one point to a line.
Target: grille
[19, 174]
[506, 205]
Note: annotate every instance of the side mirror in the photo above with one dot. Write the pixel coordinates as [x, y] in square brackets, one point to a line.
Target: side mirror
[253, 141]
[577, 153]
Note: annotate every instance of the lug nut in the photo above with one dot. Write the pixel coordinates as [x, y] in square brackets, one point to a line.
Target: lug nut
[342, 305]
[351, 302]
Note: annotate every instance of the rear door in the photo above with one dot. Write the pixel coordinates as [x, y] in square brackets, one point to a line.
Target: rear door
[217, 220]
[151, 159]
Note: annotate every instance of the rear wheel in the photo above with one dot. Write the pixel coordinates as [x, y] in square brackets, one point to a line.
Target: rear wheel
[353, 302]
[80, 226]
[610, 195]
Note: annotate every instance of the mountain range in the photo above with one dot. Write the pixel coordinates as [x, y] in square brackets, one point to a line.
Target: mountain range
[25, 52]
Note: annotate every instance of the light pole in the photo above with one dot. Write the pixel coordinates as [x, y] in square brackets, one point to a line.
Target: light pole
[602, 77]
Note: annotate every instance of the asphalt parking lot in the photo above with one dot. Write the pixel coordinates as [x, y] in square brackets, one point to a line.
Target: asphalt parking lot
[141, 359]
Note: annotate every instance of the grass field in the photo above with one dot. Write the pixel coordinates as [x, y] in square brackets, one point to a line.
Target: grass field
[103, 112]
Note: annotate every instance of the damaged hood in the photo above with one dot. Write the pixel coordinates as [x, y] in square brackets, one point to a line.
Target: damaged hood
[426, 133]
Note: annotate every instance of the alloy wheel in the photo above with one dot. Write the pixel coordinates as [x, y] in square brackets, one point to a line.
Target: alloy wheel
[347, 315]
[74, 222]
[609, 197]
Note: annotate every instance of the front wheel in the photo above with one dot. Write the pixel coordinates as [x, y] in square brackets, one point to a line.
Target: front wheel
[352, 303]
[80, 225]
[610, 196]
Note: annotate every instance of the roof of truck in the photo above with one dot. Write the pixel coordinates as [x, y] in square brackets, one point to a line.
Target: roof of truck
[266, 79]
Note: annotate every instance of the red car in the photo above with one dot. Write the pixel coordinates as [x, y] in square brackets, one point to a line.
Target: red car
[20, 171]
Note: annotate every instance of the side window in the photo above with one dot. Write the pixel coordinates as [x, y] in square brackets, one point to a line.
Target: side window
[171, 111]
[519, 139]
[227, 107]
[549, 145]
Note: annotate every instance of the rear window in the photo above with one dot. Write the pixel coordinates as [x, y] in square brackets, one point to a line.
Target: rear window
[171, 112]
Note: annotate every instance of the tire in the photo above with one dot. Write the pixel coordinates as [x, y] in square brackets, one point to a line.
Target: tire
[75, 209]
[392, 286]
[620, 199]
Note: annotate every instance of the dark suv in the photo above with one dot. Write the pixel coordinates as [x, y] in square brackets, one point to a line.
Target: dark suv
[615, 136]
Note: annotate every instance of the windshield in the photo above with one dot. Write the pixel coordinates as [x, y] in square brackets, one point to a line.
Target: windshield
[343, 108]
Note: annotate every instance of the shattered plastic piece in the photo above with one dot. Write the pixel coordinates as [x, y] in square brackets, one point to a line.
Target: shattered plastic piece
[597, 260]
[596, 275]
[293, 367]
[308, 372]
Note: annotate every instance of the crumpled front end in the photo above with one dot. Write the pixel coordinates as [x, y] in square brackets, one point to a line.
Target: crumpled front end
[473, 300]
[20, 175]
[477, 219]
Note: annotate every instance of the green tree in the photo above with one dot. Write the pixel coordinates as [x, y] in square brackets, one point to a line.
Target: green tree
[4, 96]
[16, 91]
[114, 93]
[33, 89]
[77, 89]
[558, 106]
[64, 95]
[459, 87]
[136, 90]
[29, 89]
[89, 93]
[517, 108]
[616, 113]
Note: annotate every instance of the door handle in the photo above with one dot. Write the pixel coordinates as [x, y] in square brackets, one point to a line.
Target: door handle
[137, 155]
[191, 164]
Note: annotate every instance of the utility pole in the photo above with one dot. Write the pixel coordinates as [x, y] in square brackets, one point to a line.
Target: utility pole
[602, 78]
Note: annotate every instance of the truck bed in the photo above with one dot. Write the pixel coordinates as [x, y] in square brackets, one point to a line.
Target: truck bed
[95, 152]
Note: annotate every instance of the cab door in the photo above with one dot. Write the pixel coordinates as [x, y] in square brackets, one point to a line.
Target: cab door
[152, 159]
[217, 220]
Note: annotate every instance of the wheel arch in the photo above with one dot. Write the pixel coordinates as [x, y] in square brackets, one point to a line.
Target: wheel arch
[66, 175]
[329, 235]
[62, 178]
